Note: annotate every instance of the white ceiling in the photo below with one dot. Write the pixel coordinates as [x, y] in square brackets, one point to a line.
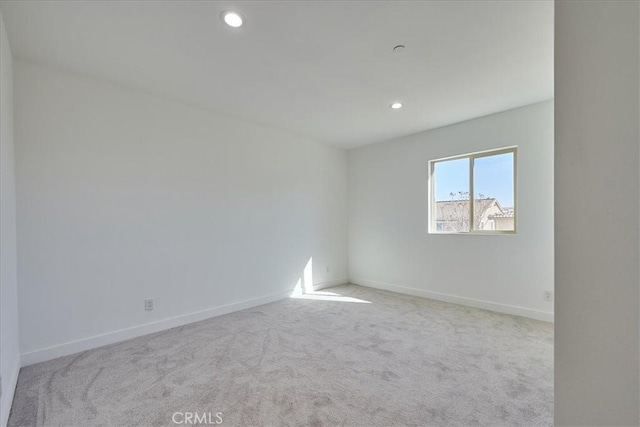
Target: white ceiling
[324, 69]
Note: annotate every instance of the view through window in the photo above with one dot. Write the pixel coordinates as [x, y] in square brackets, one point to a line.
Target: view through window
[490, 176]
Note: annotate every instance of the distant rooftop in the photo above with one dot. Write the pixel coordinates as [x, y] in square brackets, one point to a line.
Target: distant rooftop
[459, 209]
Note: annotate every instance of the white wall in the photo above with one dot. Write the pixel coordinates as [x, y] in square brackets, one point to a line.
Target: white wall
[9, 350]
[389, 246]
[124, 196]
[597, 248]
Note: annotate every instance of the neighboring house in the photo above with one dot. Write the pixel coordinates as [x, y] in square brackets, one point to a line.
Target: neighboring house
[453, 215]
[505, 220]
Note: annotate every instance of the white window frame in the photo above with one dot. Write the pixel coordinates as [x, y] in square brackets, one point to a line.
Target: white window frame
[472, 157]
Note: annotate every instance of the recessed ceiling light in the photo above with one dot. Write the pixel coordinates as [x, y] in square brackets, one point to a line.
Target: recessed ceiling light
[232, 19]
[396, 105]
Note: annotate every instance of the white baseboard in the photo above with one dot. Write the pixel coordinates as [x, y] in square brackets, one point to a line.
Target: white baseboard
[72, 347]
[330, 284]
[7, 395]
[486, 305]
[84, 344]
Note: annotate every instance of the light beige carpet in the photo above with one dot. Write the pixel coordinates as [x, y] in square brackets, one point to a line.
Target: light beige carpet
[396, 360]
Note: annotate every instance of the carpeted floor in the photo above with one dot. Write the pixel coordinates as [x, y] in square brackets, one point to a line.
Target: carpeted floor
[323, 360]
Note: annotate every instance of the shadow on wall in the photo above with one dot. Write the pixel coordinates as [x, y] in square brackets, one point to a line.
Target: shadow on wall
[304, 289]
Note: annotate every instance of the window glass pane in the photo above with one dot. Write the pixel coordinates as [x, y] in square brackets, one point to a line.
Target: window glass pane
[451, 194]
[493, 185]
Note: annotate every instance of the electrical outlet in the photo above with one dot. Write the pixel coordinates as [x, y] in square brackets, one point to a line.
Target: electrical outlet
[548, 295]
[328, 269]
[148, 304]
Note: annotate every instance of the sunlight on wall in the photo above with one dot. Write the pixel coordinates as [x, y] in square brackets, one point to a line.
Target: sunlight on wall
[308, 276]
[304, 289]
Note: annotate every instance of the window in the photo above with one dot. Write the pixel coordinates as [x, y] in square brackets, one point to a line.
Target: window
[490, 176]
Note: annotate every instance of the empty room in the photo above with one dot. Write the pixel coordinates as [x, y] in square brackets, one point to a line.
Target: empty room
[319, 213]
